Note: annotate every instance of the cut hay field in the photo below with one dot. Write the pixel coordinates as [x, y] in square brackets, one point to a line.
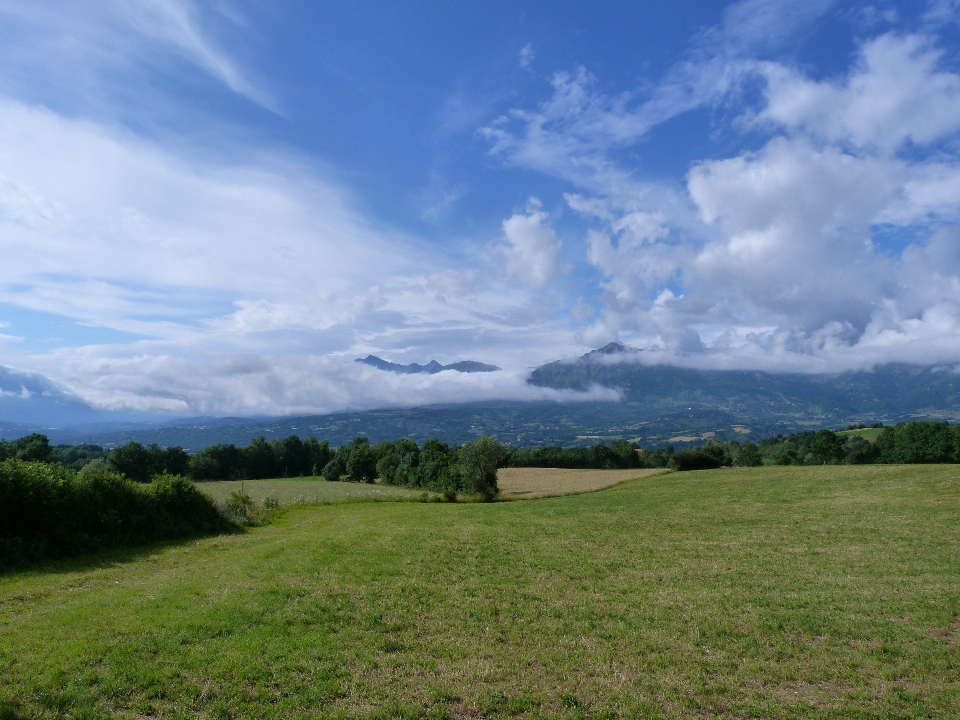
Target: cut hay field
[520, 483]
[307, 490]
[795, 592]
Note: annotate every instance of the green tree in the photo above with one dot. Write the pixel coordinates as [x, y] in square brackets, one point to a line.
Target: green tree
[259, 460]
[334, 470]
[477, 464]
[136, 462]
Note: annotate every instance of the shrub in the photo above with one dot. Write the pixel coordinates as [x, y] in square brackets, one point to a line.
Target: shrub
[47, 512]
[694, 459]
[334, 470]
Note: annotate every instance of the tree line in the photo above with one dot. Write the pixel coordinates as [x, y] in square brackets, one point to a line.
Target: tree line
[441, 467]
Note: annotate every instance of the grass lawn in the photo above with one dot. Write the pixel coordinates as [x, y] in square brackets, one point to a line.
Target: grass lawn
[308, 490]
[525, 483]
[792, 592]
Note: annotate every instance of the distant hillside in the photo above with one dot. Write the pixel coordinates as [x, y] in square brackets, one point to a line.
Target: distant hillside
[464, 366]
[662, 404]
[517, 423]
[31, 398]
[894, 392]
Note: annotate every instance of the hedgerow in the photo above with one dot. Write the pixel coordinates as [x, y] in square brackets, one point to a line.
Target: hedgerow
[46, 511]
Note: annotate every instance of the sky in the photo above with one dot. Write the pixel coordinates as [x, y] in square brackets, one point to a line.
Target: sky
[213, 208]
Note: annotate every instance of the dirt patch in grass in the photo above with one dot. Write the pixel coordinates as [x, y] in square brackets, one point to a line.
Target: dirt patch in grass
[521, 483]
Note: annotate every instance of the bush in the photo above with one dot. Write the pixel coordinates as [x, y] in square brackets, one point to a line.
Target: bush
[334, 470]
[694, 459]
[48, 512]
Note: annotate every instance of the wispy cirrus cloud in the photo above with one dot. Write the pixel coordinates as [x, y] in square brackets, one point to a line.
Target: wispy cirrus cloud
[85, 50]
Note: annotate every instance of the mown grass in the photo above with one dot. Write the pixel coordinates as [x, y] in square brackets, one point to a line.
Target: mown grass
[794, 592]
[308, 490]
[868, 434]
[524, 483]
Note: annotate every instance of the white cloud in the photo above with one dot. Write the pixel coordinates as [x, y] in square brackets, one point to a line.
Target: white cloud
[281, 385]
[532, 247]
[782, 263]
[896, 94]
[85, 50]
[526, 55]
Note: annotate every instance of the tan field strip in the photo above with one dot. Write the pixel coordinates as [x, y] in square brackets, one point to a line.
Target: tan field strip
[519, 483]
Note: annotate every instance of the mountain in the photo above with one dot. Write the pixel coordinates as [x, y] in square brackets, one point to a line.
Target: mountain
[32, 399]
[894, 391]
[465, 366]
[660, 404]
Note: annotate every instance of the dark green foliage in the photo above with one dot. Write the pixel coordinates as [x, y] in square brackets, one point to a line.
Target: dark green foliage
[261, 461]
[139, 463]
[919, 442]
[861, 452]
[601, 456]
[218, 462]
[827, 448]
[334, 470]
[75, 457]
[31, 448]
[477, 464]
[746, 455]
[695, 459]
[360, 461]
[283, 457]
[316, 455]
[910, 442]
[47, 511]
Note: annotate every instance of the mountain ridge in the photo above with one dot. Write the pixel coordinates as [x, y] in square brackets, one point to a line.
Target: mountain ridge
[431, 368]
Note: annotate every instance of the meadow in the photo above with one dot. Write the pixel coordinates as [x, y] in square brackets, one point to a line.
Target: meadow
[775, 592]
[523, 483]
[308, 490]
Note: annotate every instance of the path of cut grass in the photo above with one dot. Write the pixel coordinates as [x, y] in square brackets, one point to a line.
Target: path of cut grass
[768, 592]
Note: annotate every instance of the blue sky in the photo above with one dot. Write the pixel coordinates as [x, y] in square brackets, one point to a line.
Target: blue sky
[213, 208]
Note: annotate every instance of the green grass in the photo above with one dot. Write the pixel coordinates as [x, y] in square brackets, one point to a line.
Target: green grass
[308, 490]
[868, 434]
[796, 592]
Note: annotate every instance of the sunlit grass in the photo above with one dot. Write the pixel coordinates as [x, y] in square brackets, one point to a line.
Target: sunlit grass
[800, 592]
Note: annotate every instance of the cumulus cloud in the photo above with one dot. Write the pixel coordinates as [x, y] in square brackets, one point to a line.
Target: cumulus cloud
[897, 93]
[774, 257]
[531, 247]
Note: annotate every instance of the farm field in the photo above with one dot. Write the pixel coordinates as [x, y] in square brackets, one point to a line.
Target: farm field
[778, 592]
[520, 483]
[307, 490]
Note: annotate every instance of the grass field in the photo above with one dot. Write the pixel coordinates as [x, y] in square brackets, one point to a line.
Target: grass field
[795, 592]
[525, 483]
[308, 490]
[868, 434]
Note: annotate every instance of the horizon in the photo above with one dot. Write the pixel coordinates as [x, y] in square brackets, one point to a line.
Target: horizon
[213, 210]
